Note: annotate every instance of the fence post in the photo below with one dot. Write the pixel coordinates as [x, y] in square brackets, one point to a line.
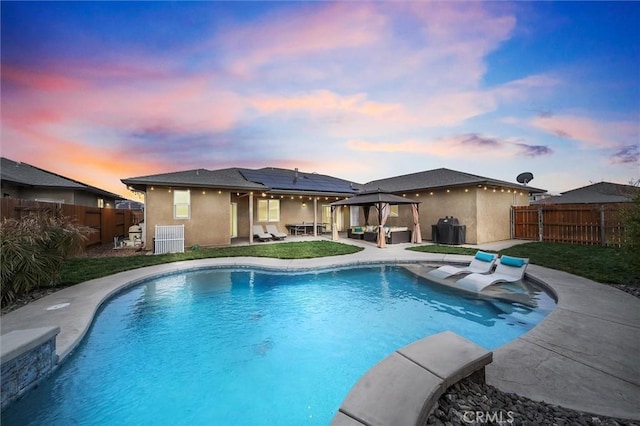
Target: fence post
[540, 224]
[512, 223]
[603, 241]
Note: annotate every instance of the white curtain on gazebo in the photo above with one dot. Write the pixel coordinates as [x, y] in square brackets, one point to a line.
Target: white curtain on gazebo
[384, 214]
[334, 221]
[416, 235]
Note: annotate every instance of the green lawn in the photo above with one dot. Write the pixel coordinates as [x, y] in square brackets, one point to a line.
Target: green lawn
[77, 270]
[602, 264]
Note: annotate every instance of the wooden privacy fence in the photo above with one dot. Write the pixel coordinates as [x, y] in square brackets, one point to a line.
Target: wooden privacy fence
[107, 223]
[590, 224]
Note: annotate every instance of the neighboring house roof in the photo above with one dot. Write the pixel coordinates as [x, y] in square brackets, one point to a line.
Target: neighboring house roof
[438, 178]
[26, 175]
[129, 205]
[284, 180]
[201, 178]
[597, 193]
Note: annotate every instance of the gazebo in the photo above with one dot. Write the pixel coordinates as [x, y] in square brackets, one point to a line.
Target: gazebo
[382, 201]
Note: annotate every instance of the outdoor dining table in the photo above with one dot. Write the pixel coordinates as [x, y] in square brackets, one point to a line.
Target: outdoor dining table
[304, 228]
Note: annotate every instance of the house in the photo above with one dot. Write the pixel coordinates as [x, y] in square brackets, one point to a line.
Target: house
[27, 182]
[481, 204]
[218, 205]
[597, 193]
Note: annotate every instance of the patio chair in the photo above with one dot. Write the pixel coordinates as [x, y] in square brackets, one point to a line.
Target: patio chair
[258, 232]
[482, 263]
[509, 269]
[275, 233]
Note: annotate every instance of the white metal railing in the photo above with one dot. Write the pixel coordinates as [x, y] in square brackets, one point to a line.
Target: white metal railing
[169, 239]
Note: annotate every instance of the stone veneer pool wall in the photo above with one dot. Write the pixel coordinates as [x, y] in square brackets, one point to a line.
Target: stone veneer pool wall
[28, 357]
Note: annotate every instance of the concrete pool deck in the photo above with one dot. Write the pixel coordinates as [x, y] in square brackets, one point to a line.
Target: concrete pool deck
[583, 356]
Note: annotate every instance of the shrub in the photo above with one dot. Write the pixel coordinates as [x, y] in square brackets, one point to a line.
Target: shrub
[33, 249]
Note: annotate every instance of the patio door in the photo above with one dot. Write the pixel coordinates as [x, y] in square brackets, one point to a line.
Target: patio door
[233, 216]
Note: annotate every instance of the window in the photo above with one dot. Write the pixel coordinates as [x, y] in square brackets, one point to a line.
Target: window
[181, 204]
[394, 211]
[101, 203]
[268, 210]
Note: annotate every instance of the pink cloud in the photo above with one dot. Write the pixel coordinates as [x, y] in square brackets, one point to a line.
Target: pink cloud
[38, 80]
[195, 104]
[320, 102]
[589, 132]
[284, 35]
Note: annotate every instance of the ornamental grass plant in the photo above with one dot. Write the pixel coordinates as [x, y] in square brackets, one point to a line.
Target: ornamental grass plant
[34, 249]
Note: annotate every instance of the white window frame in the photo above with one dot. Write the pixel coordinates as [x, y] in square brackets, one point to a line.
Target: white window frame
[268, 206]
[176, 204]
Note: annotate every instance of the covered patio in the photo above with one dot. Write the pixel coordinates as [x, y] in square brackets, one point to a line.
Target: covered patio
[382, 202]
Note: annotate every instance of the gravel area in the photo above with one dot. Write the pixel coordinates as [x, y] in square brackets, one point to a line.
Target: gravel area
[468, 403]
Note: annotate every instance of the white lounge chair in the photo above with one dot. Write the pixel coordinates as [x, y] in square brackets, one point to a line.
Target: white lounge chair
[271, 229]
[482, 263]
[509, 269]
[258, 232]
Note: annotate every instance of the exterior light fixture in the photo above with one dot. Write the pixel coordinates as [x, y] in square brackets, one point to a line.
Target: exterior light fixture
[304, 204]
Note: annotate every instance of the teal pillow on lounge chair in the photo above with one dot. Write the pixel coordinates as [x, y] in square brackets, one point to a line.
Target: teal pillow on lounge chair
[357, 229]
[485, 257]
[512, 261]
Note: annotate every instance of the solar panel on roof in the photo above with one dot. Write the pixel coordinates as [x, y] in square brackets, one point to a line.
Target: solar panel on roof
[287, 180]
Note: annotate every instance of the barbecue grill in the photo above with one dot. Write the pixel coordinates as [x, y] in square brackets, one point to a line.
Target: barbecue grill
[448, 231]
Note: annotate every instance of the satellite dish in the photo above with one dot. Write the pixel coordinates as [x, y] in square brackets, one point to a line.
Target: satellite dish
[525, 178]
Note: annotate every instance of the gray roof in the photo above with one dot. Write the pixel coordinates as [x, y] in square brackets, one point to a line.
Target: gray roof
[265, 179]
[371, 198]
[224, 178]
[23, 174]
[597, 193]
[438, 178]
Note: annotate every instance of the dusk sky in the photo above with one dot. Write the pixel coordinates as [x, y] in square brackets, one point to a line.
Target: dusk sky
[100, 91]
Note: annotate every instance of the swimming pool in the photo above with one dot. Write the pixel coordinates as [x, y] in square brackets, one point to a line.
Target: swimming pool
[239, 346]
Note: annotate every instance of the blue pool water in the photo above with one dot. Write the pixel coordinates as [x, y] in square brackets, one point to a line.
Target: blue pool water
[251, 347]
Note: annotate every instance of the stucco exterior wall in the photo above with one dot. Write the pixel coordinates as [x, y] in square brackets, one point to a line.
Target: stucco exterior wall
[209, 222]
[494, 213]
[485, 213]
